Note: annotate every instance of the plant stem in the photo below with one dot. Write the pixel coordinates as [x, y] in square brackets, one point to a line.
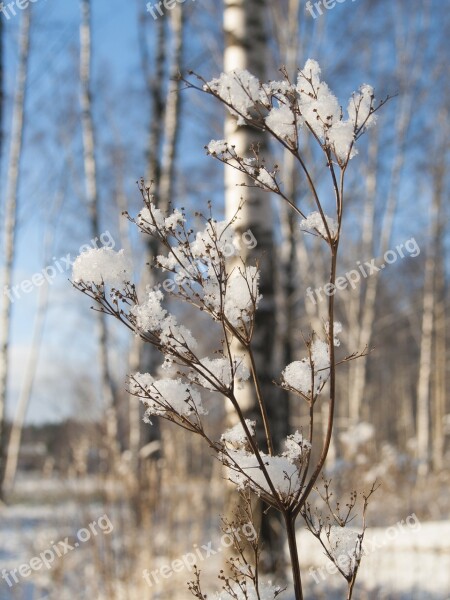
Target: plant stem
[351, 585]
[262, 406]
[329, 432]
[293, 552]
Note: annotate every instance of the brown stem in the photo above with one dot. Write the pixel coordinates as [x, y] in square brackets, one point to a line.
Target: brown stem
[289, 520]
[329, 433]
[262, 406]
[351, 585]
[256, 452]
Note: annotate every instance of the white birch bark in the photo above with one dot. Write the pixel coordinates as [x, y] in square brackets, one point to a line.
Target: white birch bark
[90, 171]
[364, 328]
[431, 413]
[13, 177]
[440, 324]
[424, 376]
[12, 457]
[172, 112]
[245, 48]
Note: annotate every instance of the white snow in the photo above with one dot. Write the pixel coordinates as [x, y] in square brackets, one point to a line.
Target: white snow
[314, 222]
[245, 471]
[236, 435]
[299, 374]
[281, 120]
[239, 88]
[217, 147]
[102, 265]
[163, 395]
[221, 371]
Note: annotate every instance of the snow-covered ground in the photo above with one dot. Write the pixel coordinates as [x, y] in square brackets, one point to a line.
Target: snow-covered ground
[404, 561]
[409, 561]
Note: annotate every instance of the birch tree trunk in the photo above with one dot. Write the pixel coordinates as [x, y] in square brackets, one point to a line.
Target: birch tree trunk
[245, 42]
[138, 436]
[13, 177]
[172, 112]
[90, 171]
[431, 308]
[440, 328]
[2, 95]
[440, 353]
[289, 43]
[245, 48]
[161, 156]
[15, 436]
[424, 377]
[363, 326]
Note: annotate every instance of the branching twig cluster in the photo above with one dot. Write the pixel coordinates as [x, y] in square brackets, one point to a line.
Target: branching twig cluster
[199, 274]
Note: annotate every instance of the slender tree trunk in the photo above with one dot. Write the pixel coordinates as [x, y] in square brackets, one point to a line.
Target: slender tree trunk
[424, 377]
[358, 368]
[244, 23]
[13, 177]
[440, 328]
[161, 156]
[172, 112]
[142, 356]
[2, 95]
[409, 69]
[90, 170]
[432, 282]
[15, 436]
[245, 48]
[440, 353]
[26, 391]
[288, 246]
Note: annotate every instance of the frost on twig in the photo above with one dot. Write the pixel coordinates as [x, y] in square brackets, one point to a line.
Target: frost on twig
[198, 273]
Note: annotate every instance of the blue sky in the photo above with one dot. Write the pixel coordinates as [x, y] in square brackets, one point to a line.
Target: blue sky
[52, 141]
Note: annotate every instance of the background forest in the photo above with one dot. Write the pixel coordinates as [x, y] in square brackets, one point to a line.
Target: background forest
[91, 102]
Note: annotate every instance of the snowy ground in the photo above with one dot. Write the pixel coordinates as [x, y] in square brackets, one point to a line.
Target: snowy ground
[404, 561]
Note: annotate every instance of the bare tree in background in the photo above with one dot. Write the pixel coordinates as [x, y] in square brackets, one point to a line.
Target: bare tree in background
[13, 177]
[92, 197]
[246, 48]
[361, 310]
[425, 418]
[15, 437]
[2, 95]
[441, 329]
[163, 91]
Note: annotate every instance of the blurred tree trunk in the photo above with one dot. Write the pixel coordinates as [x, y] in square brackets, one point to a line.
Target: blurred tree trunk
[172, 112]
[2, 94]
[289, 43]
[408, 73]
[109, 396]
[440, 346]
[13, 177]
[245, 48]
[424, 376]
[163, 90]
[431, 409]
[15, 436]
[440, 352]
